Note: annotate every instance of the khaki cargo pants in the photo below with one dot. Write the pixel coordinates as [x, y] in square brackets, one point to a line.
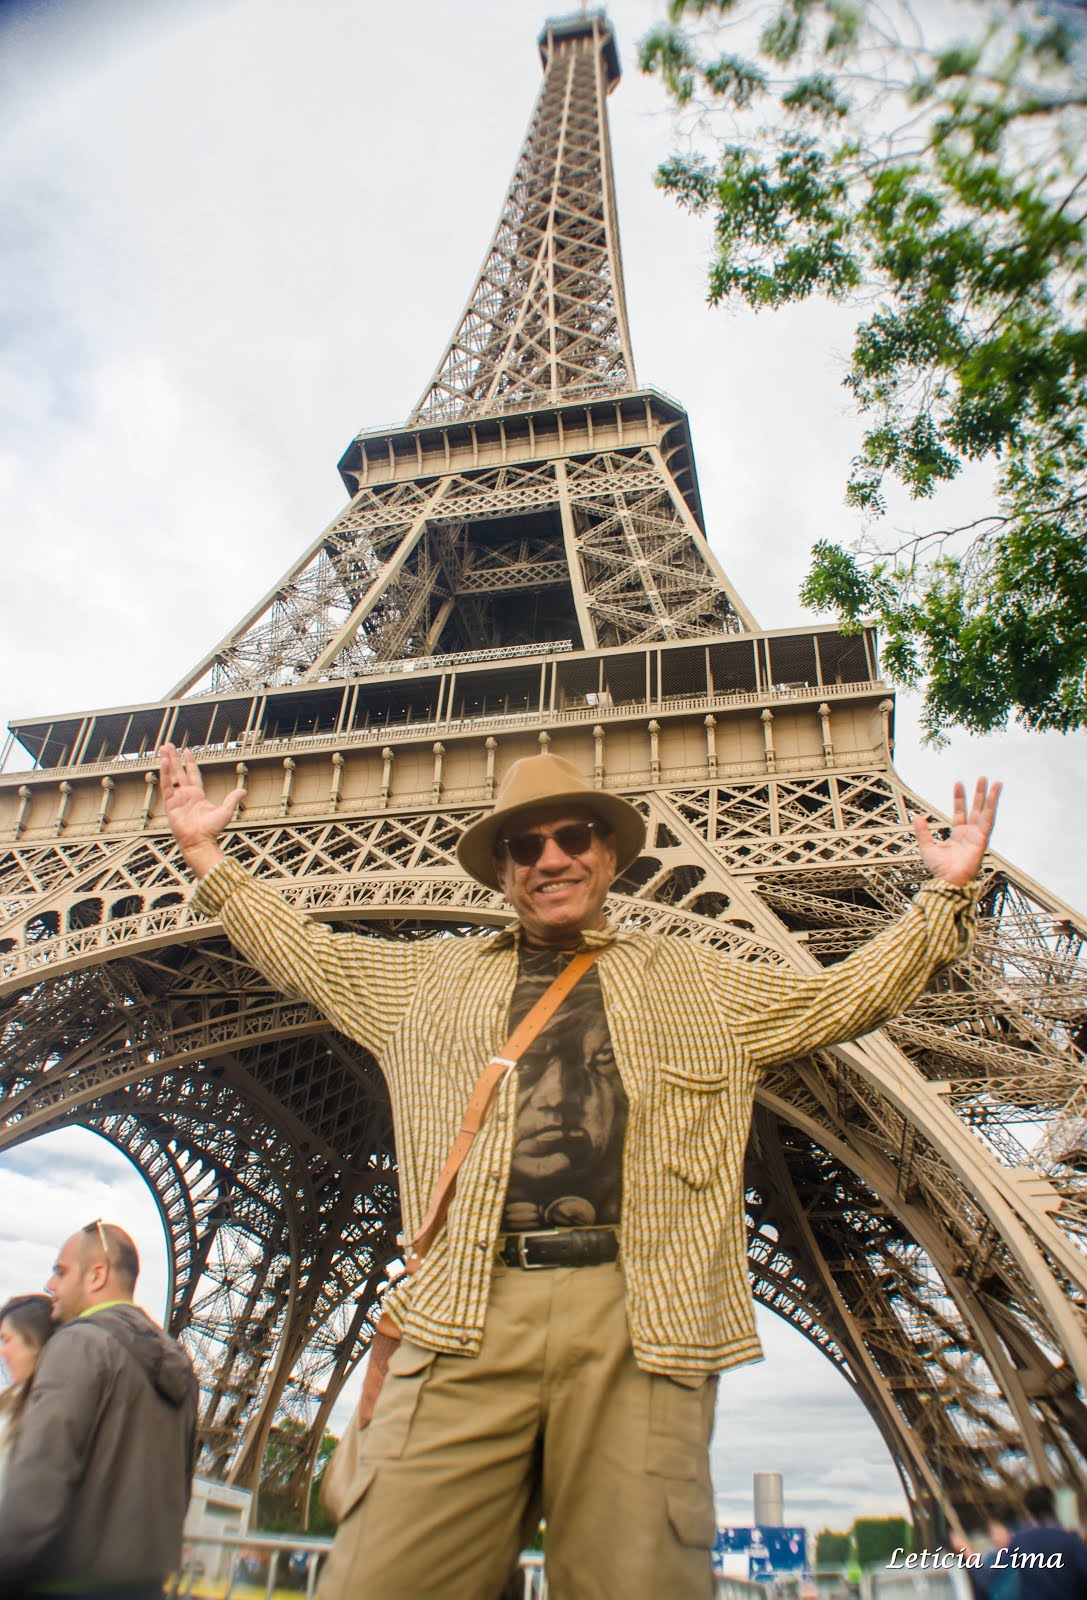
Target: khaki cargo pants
[553, 1416]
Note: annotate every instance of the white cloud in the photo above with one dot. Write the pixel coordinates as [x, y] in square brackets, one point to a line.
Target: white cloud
[795, 1414]
[61, 1182]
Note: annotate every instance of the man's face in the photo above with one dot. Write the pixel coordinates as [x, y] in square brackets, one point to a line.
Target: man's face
[560, 895]
[70, 1284]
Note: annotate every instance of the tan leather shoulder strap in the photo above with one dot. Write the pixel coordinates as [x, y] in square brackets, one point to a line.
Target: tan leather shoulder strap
[483, 1093]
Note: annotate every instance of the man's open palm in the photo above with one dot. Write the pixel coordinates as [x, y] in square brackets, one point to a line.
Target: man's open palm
[958, 858]
[196, 821]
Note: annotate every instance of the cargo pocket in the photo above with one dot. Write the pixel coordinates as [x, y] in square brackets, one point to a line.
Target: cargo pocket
[339, 1506]
[692, 1515]
[339, 1569]
[680, 1425]
[387, 1434]
[693, 1115]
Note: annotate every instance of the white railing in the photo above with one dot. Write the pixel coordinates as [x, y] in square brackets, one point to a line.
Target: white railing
[740, 1589]
[249, 747]
[274, 1566]
[920, 1583]
[217, 1566]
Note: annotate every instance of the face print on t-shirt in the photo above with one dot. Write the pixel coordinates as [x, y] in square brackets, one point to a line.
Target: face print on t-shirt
[571, 1109]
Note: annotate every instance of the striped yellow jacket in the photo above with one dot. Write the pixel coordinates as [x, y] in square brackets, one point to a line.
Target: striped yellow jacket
[691, 1028]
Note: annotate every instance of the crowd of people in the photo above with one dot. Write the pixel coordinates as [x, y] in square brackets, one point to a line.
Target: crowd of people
[1028, 1554]
[97, 1432]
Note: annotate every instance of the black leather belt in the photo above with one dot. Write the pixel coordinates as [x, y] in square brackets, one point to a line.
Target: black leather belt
[559, 1247]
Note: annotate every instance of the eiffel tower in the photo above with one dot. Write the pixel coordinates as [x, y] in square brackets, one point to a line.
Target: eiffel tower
[524, 565]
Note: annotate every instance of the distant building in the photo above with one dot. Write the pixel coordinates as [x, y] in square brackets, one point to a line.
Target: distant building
[769, 1500]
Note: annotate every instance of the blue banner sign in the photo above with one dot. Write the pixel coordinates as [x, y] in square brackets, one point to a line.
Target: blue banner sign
[760, 1554]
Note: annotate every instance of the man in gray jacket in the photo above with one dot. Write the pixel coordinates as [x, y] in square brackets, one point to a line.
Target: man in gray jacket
[99, 1478]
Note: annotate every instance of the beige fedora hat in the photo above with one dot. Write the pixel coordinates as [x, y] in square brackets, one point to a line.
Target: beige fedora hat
[548, 781]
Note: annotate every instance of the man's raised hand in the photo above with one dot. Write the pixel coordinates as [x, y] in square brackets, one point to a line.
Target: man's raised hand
[957, 859]
[196, 821]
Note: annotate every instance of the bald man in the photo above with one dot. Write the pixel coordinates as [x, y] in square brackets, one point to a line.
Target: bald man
[99, 1479]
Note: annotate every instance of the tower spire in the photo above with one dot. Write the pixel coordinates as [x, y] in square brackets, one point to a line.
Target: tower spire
[547, 319]
[536, 499]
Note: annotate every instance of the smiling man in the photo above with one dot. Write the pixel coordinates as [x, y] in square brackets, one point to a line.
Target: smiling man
[555, 865]
[563, 1337]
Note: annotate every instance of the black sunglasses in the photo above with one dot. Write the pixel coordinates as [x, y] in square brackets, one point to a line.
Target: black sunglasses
[573, 839]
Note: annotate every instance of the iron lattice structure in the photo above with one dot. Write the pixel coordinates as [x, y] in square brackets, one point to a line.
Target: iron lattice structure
[525, 564]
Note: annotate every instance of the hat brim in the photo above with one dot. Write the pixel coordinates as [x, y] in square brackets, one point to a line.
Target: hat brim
[476, 846]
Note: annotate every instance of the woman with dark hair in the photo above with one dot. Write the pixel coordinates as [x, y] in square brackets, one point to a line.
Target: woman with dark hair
[26, 1321]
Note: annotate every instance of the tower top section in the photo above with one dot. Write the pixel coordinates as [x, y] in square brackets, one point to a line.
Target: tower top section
[537, 501]
[546, 321]
[582, 24]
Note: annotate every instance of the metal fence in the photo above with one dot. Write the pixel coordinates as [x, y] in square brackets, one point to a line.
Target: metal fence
[269, 1566]
[741, 1589]
[924, 1583]
[247, 1566]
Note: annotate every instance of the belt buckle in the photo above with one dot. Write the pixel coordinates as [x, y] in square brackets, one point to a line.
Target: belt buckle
[522, 1247]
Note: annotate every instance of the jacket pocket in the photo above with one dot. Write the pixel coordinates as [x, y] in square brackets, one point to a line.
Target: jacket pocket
[692, 1124]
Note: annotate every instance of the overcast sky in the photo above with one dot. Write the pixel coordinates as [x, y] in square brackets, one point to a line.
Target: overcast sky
[236, 232]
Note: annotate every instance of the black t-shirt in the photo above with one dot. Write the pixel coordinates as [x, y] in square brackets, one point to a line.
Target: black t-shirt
[567, 1168]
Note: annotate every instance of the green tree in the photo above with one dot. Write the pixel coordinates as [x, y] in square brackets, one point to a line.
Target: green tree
[319, 1522]
[877, 1538]
[278, 1510]
[831, 1549]
[941, 185]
